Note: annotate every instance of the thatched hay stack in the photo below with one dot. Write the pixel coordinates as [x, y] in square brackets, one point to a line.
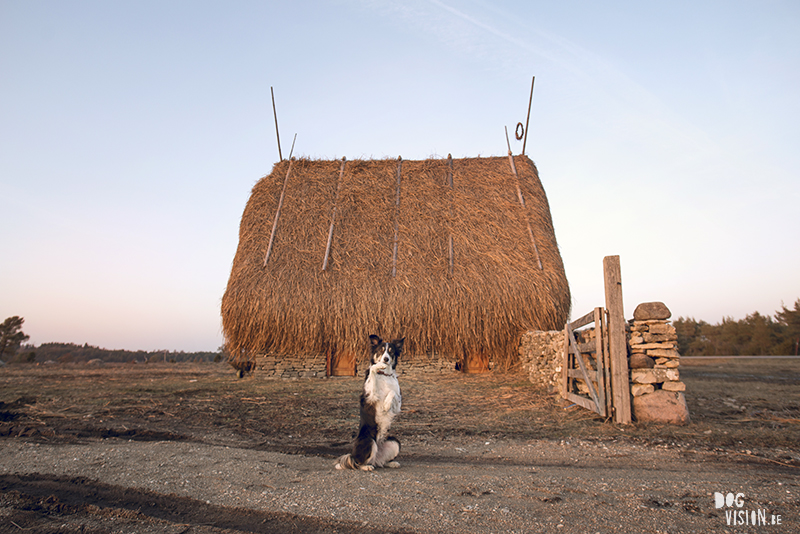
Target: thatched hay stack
[475, 308]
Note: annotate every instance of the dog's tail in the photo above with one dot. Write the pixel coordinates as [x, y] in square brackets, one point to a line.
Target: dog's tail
[346, 462]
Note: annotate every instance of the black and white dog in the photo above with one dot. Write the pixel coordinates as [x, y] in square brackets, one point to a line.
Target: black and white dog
[380, 403]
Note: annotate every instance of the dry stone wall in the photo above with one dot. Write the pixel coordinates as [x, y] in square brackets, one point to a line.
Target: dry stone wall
[540, 356]
[292, 367]
[288, 367]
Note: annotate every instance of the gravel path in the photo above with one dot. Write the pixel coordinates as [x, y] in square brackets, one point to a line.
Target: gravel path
[443, 486]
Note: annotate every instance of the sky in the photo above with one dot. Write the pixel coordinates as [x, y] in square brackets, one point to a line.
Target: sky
[131, 135]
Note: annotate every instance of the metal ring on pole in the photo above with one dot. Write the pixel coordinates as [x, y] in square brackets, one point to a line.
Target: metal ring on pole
[519, 132]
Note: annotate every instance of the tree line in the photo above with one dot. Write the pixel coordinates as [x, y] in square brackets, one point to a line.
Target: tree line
[755, 335]
[12, 350]
[73, 353]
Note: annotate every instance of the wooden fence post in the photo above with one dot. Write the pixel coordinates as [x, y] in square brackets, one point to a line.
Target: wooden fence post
[620, 386]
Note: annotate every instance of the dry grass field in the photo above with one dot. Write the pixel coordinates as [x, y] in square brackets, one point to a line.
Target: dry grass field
[734, 403]
[744, 411]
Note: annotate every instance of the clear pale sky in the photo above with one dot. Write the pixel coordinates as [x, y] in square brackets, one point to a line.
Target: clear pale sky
[131, 134]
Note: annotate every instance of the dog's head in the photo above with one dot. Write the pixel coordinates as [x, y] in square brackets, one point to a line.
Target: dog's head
[385, 354]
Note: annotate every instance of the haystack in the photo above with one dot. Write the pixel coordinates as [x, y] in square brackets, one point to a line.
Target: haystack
[459, 256]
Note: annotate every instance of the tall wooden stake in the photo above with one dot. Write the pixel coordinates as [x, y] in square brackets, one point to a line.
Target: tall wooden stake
[396, 217]
[292, 150]
[530, 100]
[333, 216]
[450, 184]
[275, 114]
[522, 203]
[618, 347]
[277, 214]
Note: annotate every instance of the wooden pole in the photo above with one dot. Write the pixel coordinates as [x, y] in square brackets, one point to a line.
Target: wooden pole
[275, 114]
[278, 213]
[528, 118]
[565, 364]
[333, 216]
[522, 203]
[396, 217]
[618, 347]
[450, 184]
[292, 150]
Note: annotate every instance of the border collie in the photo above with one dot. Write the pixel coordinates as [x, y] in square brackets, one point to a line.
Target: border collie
[380, 403]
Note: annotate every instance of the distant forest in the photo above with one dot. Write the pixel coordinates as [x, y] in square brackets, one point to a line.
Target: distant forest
[72, 353]
[755, 335]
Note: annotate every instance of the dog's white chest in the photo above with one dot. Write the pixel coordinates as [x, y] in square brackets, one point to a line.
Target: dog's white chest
[384, 392]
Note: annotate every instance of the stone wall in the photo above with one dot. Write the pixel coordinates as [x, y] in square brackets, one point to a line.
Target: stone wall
[540, 354]
[278, 367]
[288, 367]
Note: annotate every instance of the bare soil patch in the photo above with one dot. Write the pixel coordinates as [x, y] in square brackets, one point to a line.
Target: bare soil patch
[153, 446]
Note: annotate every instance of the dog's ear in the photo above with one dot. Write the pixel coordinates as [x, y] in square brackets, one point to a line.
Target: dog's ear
[374, 341]
[398, 343]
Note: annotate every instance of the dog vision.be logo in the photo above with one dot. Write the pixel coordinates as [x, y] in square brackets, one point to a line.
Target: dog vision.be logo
[736, 515]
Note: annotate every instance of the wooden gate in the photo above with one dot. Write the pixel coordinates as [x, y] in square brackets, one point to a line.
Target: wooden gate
[585, 370]
[594, 373]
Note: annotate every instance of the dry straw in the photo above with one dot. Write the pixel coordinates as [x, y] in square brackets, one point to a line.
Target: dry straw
[494, 291]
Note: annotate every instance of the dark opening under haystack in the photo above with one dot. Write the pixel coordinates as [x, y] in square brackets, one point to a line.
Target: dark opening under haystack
[457, 255]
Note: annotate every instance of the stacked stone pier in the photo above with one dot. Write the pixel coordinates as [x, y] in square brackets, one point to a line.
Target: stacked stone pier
[654, 361]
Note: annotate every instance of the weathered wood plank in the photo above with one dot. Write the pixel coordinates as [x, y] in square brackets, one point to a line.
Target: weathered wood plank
[581, 401]
[582, 321]
[588, 347]
[576, 373]
[620, 387]
[600, 361]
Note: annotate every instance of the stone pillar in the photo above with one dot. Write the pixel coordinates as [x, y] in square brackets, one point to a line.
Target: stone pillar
[654, 361]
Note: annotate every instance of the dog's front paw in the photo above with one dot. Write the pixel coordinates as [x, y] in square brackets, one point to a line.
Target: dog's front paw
[393, 465]
[367, 468]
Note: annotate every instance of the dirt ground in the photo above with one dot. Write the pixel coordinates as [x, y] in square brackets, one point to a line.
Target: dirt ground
[189, 448]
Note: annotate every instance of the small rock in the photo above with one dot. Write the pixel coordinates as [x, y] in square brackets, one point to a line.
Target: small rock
[651, 311]
[663, 353]
[662, 328]
[641, 361]
[673, 386]
[668, 364]
[641, 389]
[654, 376]
[659, 338]
[672, 375]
